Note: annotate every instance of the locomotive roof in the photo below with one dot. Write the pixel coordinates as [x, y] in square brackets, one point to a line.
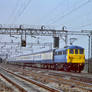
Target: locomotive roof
[69, 47]
[74, 47]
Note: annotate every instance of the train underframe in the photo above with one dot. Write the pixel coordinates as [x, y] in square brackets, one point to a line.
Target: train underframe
[69, 67]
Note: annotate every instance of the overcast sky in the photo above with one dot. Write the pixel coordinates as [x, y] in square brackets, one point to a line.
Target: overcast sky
[74, 14]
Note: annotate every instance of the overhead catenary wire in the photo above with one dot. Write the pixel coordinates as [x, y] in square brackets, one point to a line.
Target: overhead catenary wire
[70, 12]
[52, 11]
[80, 26]
[21, 10]
[24, 8]
[86, 25]
[13, 12]
[18, 7]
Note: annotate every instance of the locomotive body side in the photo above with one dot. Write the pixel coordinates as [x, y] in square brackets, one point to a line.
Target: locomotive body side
[60, 56]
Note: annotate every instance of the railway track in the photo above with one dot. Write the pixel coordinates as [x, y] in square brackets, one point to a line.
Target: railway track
[60, 79]
[24, 84]
[82, 77]
[75, 79]
[68, 81]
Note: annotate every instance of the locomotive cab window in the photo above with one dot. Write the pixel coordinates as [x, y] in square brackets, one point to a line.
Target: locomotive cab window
[76, 51]
[71, 51]
[59, 53]
[81, 51]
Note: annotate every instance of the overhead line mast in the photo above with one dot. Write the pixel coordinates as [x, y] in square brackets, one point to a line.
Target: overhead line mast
[22, 29]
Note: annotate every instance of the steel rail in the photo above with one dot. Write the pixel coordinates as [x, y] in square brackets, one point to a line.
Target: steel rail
[74, 81]
[13, 83]
[34, 82]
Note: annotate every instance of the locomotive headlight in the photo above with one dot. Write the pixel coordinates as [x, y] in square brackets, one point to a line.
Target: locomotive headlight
[80, 64]
[69, 57]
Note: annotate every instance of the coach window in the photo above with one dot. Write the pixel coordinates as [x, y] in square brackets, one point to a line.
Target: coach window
[81, 51]
[71, 51]
[59, 53]
[64, 52]
[76, 51]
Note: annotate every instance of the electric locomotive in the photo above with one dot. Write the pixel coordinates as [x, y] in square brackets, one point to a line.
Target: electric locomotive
[71, 58]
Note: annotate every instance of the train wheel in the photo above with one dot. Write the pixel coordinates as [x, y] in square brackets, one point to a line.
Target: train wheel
[65, 68]
[79, 71]
[75, 71]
